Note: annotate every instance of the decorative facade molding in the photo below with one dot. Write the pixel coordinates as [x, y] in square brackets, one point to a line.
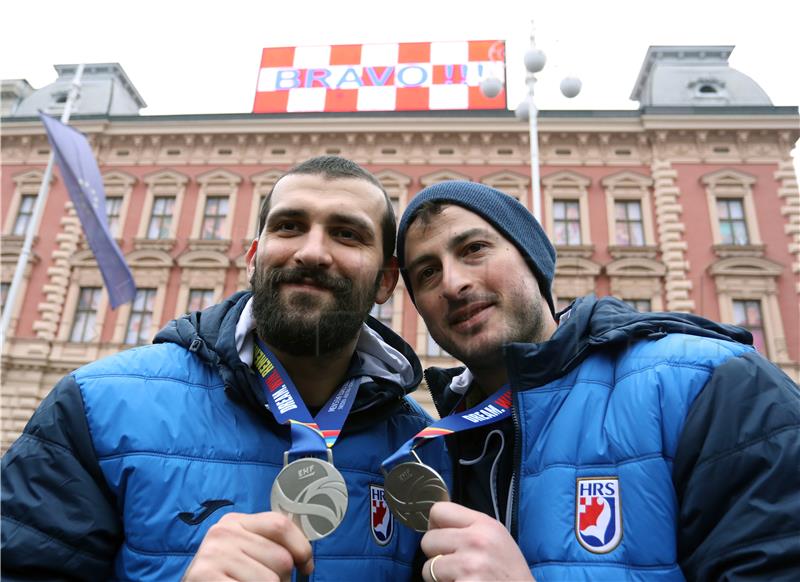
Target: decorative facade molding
[441, 176]
[51, 310]
[511, 183]
[615, 155]
[790, 196]
[671, 243]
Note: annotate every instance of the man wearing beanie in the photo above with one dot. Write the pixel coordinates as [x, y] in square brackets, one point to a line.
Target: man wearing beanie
[637, 446]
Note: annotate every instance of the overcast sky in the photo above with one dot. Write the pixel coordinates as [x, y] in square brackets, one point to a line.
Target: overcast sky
[203, 57]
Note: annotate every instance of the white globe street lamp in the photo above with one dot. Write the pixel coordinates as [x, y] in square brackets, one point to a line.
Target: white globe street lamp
[535, 61]
[491, 87]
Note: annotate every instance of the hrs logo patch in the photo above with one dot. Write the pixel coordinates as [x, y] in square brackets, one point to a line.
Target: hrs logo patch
[598, 513]
[381, 519]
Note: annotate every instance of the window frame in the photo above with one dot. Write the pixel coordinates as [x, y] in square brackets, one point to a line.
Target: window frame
[219, 219]
[165, 215]
[206, 290]
[623, 187]
[119, 185]
[567, 221]
[161, 184]
[728, 202]
[732, 184]
[217, 183]
[753, 278]
[763, 327]
[91, 323]
[152, 294]
[567, 185]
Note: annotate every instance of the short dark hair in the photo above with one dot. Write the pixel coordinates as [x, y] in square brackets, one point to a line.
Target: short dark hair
[333, 168]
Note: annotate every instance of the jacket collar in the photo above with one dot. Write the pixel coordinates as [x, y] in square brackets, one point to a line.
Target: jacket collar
[587, 326]
[222, 337]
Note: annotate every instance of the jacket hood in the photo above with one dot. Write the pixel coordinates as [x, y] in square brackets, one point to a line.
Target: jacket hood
[382, 355]
[587, 326]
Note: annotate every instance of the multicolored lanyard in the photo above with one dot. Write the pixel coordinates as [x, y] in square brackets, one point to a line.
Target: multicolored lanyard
[493, 409]
[310, 435]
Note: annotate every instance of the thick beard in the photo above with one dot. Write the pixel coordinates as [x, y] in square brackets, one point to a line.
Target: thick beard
[302, 326]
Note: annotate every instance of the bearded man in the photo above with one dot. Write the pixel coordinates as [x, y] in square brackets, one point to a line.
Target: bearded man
[209, 455]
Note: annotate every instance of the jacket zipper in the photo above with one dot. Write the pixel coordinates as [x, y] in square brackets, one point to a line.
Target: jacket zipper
[514, 493]
[428, 385]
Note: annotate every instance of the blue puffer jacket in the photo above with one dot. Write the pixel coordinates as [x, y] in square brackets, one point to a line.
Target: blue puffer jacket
[642, 447]
[129, 461]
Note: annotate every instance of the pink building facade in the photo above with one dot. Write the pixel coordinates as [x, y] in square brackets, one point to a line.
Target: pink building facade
[689, 208]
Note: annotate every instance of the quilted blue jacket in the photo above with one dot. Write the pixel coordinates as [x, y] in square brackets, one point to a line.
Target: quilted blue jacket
[642, 447]
[129, 460]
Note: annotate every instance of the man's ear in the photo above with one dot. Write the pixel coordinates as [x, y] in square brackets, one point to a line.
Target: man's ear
[251, 258]
[389, 276]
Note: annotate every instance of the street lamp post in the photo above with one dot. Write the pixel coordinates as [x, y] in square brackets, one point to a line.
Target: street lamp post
[534, 60]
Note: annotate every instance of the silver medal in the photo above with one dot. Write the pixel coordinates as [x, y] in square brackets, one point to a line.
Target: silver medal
[313, 493]
[411, 490]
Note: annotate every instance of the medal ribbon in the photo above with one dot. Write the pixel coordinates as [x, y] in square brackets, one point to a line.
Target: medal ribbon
[310, 436]
[493, 409]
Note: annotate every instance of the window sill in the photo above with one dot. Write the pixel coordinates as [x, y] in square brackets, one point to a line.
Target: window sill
[154, 244]
[633, 251]
[725, 251]
[217, 245]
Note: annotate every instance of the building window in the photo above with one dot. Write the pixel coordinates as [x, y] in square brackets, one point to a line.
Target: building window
[642, 305]
[199, 299]
[141, 318]
[24, 214]
[628, 223]
[432, 349]
[161, 217]
[747, 314]
[216, 211]
[4, 287]
[113, 212]
[83, 325]
[384, 312]
[567, 222]
[258, 213]
[732, 223]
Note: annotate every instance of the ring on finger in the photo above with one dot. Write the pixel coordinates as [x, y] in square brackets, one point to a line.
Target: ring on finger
[433, 561]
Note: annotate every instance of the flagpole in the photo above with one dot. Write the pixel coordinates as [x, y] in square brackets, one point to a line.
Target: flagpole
[38, 208]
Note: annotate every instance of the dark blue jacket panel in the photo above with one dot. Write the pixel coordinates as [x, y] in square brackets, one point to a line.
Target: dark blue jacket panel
[60, 520]
[737, 476]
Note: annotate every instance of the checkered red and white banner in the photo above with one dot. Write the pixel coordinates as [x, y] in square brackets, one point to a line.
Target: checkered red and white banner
[380, 77]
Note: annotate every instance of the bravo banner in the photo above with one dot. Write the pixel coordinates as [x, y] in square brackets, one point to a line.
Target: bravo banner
[380, 77]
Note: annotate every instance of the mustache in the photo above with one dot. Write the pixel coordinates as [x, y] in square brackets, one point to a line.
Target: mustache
[457, 308]
[316, 277]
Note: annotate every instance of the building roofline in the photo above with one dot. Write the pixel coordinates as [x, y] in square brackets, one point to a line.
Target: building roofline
[722, 111]
[658, 52]
[65, 70]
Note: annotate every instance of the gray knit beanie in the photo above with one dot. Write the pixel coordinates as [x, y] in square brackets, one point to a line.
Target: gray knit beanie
[509, 217]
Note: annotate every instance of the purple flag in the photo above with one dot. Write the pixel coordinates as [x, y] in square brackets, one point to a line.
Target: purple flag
[85, 186]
